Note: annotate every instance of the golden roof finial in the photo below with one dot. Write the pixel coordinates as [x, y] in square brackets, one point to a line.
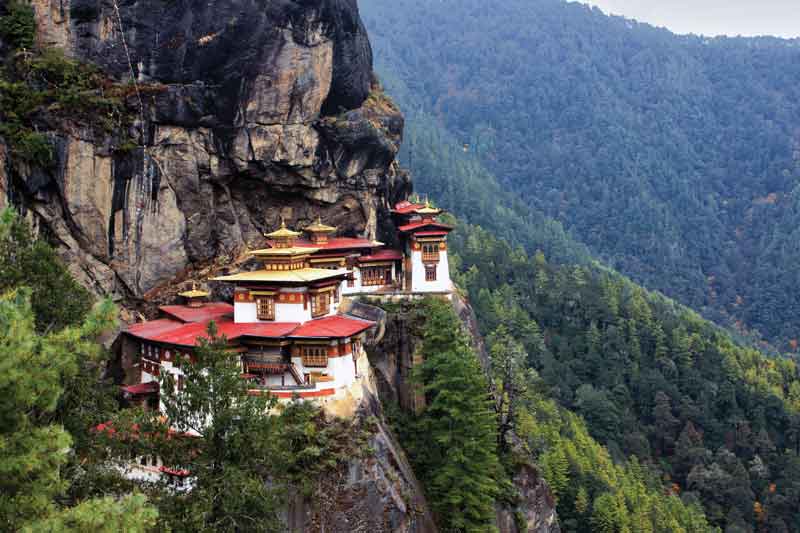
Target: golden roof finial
[194, 293]
[283, 232]
[428, 209]
[319, 227]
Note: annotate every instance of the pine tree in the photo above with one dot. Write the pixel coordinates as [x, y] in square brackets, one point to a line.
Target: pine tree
[236, 439]
[56, 298]
[32, 451]
[456, 454]
[555, 469]
[508, 368]
[605, 514]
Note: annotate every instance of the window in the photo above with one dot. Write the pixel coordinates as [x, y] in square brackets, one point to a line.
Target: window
[320, 304]
[430, 272]
[351, 279]
[265, 308]
[315, 356]
[381, 275]
[430, 252]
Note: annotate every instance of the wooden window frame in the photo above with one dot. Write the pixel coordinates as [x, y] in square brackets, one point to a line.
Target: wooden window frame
[430, 251]
[430, 272]
[315, 356]
[269, 312]
[375, 275]
[320, 304]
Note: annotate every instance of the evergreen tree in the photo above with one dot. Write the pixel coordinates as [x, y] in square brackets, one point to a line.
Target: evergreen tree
[226, 438]
[456, 439]
[56, 298]
[33, 451]
[508, 368]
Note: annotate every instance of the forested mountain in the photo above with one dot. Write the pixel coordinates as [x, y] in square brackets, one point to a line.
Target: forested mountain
[676, 159]
[656, 384]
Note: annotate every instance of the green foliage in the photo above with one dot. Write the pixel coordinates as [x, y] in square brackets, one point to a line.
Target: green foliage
[44, 83]
[103, 515]
[453, 442]
[246, 453]
[716, 421]
[33, 451]
[57, 299]
[18, 26]
[635, 139]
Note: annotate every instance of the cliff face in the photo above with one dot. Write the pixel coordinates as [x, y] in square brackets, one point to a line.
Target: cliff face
[243, 111]
[392, 358]
[375, 492]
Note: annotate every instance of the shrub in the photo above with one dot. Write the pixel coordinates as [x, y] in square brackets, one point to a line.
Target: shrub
[18, 27]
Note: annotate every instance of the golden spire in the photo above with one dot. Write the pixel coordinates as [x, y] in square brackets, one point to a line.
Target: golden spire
[319, 227]
[283, 232]
[428, 209]
[194, 293]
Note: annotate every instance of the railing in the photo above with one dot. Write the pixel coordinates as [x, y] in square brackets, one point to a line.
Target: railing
[258, 386]
[264, 359]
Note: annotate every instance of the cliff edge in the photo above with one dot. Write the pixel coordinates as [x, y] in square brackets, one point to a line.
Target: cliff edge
[241, 112]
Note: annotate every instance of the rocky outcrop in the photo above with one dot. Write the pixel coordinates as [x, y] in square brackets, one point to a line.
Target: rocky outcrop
[373, 492]
[393, 358]
[242, 112]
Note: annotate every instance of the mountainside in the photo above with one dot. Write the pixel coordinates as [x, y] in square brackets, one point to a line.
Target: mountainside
[674, 158]
[150, 142]
[193, 132]
[678, 406]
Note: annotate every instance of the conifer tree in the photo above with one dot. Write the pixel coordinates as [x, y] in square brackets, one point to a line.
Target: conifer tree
[57, 299]
[226, 439]
[508, 368]
[456, 448]
[33, 452]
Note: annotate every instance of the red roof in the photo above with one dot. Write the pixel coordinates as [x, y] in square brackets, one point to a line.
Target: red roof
[406, 207]
[430, 233]
[209, 311]
[425, 224]
[181, 334]
[154, 328]
[173, 471]
[332, 326]
[382, 255]
[335, 243]
[142, 388]
[265, 329]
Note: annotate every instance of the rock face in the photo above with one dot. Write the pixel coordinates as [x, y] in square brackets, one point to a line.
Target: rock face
[375, 493]
[399, 349]
[246, 111]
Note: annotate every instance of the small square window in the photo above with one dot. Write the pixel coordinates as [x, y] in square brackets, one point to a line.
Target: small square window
[265, 308]
[430, 272]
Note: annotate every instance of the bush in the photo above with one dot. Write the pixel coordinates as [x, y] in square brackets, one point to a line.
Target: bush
[18, 27]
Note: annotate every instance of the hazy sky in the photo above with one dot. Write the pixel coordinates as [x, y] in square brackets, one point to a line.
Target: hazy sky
[712, 17]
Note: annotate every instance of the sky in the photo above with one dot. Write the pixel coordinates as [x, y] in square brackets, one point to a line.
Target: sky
[712, 17]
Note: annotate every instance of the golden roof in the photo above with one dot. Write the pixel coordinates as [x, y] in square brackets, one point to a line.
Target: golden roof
[283, 232]
[194, 293]
[284, 252]
[319, 227]
[303, 275]
[428, 209]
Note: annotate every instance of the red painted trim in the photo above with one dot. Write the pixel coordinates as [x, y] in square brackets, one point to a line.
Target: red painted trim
[290, 394]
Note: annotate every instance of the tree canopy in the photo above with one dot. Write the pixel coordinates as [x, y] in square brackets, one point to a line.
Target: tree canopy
[673, 158]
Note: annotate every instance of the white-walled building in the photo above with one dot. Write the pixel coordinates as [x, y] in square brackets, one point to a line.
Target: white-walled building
[285, 320]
